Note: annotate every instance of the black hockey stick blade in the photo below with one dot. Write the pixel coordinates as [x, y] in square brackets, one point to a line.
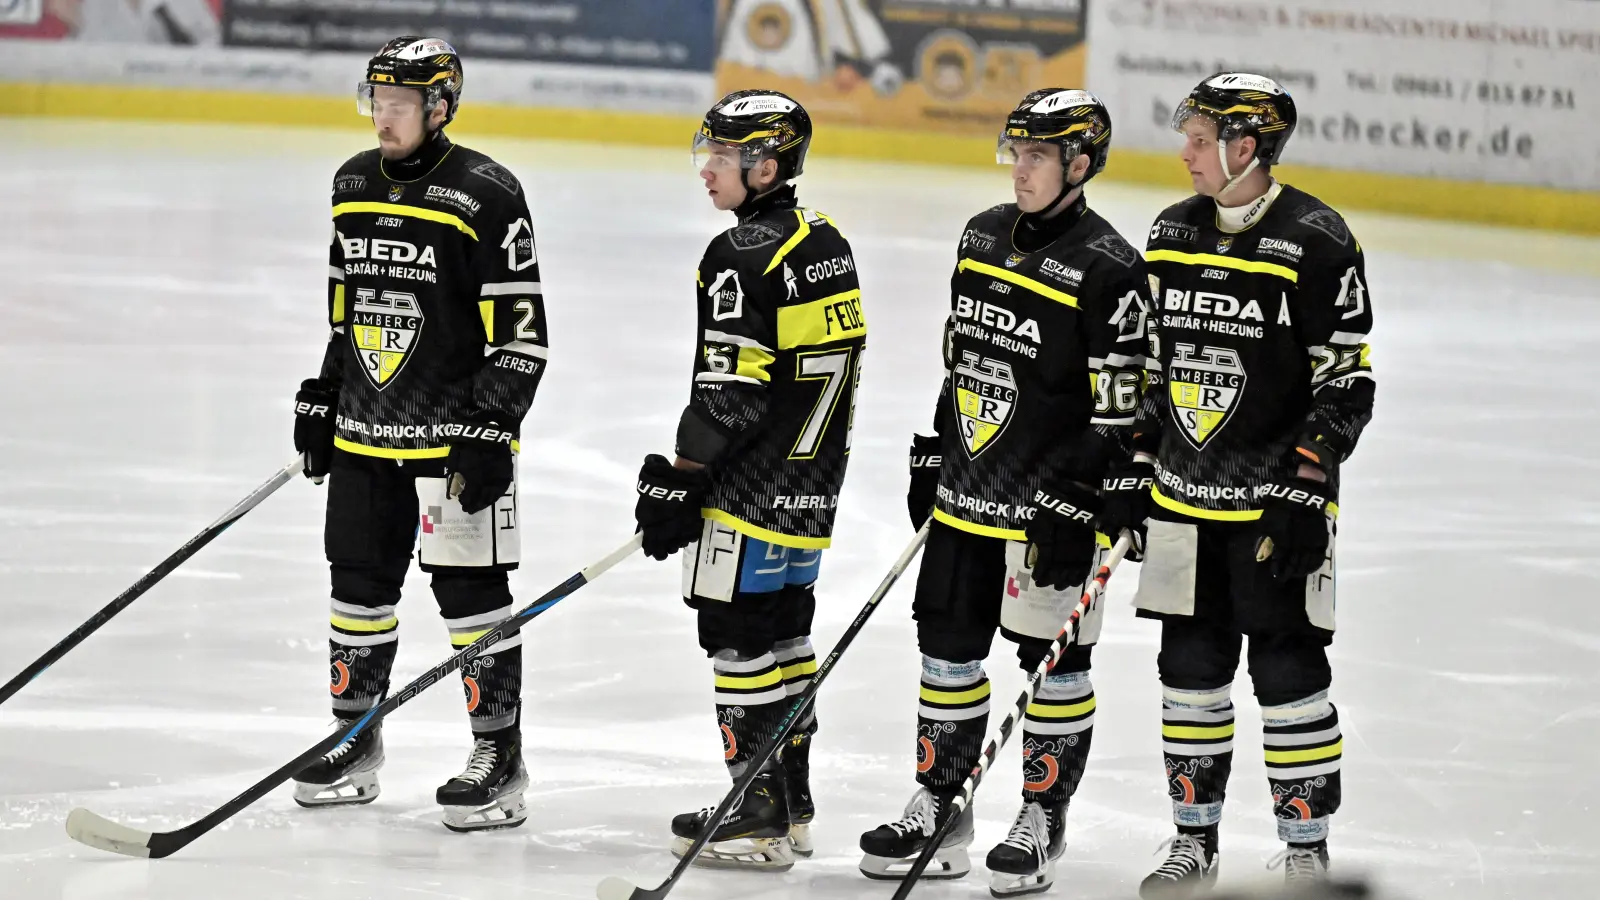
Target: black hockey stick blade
[1069, 632]
[614, 887]
[149, 579]
[96, 831]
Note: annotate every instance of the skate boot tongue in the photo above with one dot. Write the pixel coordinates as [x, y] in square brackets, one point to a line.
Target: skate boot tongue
[1024, 863]
[1190, 866]
[890, 849]
[1031, 831]
[482, 761]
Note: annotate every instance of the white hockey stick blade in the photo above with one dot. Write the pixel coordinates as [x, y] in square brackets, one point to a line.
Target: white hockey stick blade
[101, 833]
[615, 888]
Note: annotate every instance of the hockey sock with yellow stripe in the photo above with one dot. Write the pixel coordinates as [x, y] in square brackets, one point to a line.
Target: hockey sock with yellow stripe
[797, 662]
[1303, 748]
[1197, 744]
[750, 703]
[492, 681]
[361, 649]
[951, 718]
[1056, 731]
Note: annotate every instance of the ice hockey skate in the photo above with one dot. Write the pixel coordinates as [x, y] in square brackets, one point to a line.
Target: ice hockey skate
[889, 850]
[1189, 869]
[802, 808]
[488, 793]
[1025, 862]
[347, 776]
[755, 835]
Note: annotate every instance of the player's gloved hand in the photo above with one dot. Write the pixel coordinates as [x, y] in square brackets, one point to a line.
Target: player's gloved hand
[314, 408]
[668, 511]
[1294, 527]
[1125, 501]
[925, 463]
[479, 467]
[1061, 536]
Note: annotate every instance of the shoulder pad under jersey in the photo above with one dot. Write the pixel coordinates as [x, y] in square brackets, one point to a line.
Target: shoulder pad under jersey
[1111, 244]
[1317, 215]
[754, 235]
[482, 167]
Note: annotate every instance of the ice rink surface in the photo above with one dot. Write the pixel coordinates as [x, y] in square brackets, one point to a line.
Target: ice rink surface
[161, 295]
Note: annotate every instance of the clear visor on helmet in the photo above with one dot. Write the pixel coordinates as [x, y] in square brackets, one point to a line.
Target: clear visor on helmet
[388, 101]
[1188, 110]
[1030, 154]
[710, 153]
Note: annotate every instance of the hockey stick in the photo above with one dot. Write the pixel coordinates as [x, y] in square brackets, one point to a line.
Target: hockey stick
[90, 828]
[615, 887]
[998, 738]
[148, 581]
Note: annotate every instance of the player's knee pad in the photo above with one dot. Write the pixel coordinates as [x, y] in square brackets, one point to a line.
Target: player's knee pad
[367, 585]
[940, 643]
[1288, 667]
[745, 624]
[796, 608]
[1197, 653]
[473, 602]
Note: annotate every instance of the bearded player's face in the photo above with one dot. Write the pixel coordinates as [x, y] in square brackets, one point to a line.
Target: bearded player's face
[397, 116]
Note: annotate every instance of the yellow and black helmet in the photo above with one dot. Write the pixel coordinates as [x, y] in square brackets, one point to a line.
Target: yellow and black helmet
[763, 125]
[1243, 105]
[430, 65]
[1076, 121]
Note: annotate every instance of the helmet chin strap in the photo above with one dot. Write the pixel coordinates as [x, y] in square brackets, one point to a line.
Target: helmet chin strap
[1222, 157]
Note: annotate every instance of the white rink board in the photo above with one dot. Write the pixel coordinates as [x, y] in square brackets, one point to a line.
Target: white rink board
[1476, 90]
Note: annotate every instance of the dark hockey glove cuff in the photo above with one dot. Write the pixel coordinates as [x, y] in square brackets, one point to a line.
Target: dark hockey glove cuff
[479, 467]
[1294, 527]
[925, 464]
[1125, 499]
[668, 511]
[1061, 536]
[315, 407]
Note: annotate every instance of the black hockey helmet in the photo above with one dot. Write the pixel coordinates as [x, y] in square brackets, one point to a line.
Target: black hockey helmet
[430, 65]
[763, 125]
[1243, 105]
[1076, 121]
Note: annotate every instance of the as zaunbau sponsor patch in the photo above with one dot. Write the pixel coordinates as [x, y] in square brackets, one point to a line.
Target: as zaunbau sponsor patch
[452, 197]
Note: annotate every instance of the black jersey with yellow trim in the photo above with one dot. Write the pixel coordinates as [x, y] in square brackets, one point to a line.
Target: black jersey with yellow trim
[778, 363]
[1045, 363]
[435, 302]
[1261, 339]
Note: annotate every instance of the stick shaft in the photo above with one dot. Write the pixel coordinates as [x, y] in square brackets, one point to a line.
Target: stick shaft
[149, 579]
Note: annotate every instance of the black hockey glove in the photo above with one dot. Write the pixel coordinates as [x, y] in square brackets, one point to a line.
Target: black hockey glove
[1294, 527]
[1061, 536]
[1125, 499]
[925, 463]
[479, 467]
[668, 511]
[314, 409]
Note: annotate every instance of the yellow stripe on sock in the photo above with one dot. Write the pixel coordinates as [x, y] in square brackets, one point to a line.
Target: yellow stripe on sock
[934, 695]
[750, 682]
[1300, 756]
[1040, 711]
[1198, 732]
[809, 667]
[371, 626]
[462, 640]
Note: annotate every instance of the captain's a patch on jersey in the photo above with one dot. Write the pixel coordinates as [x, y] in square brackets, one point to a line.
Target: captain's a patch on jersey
[1205, 388]
[985, 394]
[384, 328]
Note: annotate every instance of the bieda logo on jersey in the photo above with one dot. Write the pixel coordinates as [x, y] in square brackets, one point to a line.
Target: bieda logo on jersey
[384, 329]
[1205, 389]
[985, 395]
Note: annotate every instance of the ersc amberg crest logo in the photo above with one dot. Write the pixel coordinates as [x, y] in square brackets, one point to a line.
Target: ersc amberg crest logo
[985, 395]
[1205, 390]
[385, 328]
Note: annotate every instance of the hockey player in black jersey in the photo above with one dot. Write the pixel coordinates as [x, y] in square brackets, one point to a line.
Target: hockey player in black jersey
[1264, 386]
[1045, 358]
[438, 343]
[761, 452]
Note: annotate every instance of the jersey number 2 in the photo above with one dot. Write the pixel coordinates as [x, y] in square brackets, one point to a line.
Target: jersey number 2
[831, 368]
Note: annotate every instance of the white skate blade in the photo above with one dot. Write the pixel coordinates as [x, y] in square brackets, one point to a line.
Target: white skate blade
[99, 832]
[354, 789]
[763, 854]
[507, 811]
[948, 862]
[800, 840]
[1006, 884]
